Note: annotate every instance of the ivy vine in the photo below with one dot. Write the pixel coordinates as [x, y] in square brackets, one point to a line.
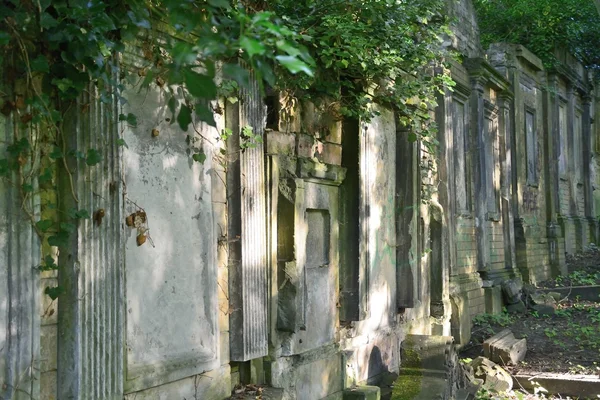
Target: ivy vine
[372, 52]
[341, 55]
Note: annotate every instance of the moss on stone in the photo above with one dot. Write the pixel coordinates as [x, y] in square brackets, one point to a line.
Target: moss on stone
[408, 385]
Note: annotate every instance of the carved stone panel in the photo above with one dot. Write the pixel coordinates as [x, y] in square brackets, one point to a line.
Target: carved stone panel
[171, 298]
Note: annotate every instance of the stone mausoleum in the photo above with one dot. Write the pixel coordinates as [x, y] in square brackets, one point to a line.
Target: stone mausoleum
[333, 255]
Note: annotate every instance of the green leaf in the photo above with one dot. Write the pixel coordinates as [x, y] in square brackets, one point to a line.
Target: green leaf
[60, 239]
[205, 113]
[63, 84]
[184, 118]
[121, 142]
[237, 73]
[286, 46]
[104, 50]
[93, 157]
[252, 46]
[67, 227]
[27, 188]
[54, 292]
[49, 264]
[46, 176]
[44, 224]
[47, 21]
[82, 214]
[4, 38]
[130, 118]
[199, 157]
[39, 64]
[56, 116]
[21, 146]
[294, 65]
[103, 22]
[183, 53]
[199, 85]
[172, 104]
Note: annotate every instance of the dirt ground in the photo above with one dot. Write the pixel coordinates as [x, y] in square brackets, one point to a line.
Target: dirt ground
[566, 342]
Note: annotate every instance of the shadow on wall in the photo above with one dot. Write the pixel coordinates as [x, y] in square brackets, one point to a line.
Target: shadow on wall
[376, 366]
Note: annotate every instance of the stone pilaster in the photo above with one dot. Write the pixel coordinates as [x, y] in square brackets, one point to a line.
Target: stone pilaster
[90, 318]
[19, 281]
[479, 145]
[247, 221]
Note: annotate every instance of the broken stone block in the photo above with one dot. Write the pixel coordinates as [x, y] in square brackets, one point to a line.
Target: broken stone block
[494, 377]
[511, 288]
[556, 296]
[516, 308]
[541, 298]
[544, 309]
[504, 348]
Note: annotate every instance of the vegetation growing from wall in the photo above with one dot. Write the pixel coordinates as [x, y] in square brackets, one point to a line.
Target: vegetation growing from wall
[55, 52]
[346, 53]
[386, 52]
[542, 26]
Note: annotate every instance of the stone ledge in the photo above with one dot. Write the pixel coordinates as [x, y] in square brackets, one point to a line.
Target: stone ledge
[589, 293]
[363, 393]
[582, 386]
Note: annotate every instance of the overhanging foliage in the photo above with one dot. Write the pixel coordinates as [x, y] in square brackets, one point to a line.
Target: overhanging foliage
[543, 26]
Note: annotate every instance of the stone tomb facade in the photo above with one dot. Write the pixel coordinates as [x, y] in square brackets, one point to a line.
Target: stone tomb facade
[326, 255]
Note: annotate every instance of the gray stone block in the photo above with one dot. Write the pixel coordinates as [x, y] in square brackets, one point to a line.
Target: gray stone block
[494, 377]
[493, 299]
[517, 308]
[511, 288]
[504, 348]
[544, 309]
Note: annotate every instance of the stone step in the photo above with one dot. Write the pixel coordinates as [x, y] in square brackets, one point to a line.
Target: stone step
[428, 352]
[363, 393]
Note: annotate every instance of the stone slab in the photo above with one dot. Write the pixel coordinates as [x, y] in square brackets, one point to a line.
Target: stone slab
[588, 293]
[493, 299]
[174, 272]
[578, 386]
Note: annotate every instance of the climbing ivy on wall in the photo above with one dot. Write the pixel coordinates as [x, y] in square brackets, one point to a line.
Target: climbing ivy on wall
[542, 26]
[342, 55]
[53, 52]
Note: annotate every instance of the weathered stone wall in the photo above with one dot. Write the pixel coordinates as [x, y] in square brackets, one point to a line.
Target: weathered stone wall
[304, 267]
[464, 27]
